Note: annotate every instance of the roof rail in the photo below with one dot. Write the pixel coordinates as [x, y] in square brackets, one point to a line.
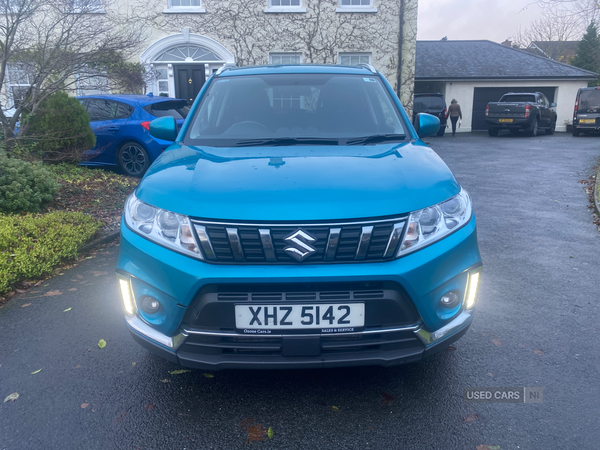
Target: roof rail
[225, 67]
[368, 66]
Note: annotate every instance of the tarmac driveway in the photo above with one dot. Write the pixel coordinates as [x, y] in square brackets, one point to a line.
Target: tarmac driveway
[537, 325]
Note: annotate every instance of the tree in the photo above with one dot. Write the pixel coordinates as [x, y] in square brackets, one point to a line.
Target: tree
[548, 27]
[588, 51]
[51, 45]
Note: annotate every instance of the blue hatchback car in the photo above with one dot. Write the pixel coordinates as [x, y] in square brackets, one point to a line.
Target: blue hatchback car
[121, 125]
[297, 221]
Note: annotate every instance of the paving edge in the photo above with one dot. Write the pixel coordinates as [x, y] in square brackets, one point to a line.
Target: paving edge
[596, 193]
[96, 242]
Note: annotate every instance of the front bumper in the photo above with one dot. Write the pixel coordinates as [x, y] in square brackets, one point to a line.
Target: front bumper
[194, 329]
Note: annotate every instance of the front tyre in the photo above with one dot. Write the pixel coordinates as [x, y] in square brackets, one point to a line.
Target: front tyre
[441, 131]
[133, 159]
[493, 131]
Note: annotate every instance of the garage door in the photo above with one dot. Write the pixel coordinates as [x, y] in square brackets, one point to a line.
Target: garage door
[482, 96]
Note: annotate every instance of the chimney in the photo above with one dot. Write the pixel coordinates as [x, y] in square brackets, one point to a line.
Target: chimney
[507, 43]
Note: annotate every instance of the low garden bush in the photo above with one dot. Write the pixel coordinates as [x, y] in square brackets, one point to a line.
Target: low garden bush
[58, 131]
[24, 186]
[33, 245]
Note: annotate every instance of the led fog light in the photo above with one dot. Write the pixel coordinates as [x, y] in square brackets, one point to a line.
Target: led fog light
[126, 295]
[450, 300]
[149, 304]
[472, 289]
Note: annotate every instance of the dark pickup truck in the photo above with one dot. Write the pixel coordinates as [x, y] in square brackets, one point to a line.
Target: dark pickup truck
[528, 112]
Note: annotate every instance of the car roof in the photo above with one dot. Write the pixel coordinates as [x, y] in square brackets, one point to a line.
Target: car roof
[142, 100]
[298, 69]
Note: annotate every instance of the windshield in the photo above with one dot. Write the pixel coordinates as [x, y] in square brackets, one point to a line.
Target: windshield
[298, 109]
[518, 98]
[589, 99]
[428, 103]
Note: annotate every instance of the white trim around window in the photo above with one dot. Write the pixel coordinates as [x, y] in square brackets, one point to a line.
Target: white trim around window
[356, 6]
[285, 6]
[184, 7]
[354, 58]
[285, 58]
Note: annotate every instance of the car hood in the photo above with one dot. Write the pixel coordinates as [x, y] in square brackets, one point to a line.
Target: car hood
[297, 183]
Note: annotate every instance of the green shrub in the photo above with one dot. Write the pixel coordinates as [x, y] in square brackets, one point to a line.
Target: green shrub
[58, 131]
[33, 245]
[24, 186]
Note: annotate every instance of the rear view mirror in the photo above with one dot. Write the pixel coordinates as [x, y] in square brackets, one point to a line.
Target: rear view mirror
[164, 128]
[552, 105]
[426, 125]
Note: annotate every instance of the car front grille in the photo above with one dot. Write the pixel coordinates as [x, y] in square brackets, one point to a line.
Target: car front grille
[343, 242]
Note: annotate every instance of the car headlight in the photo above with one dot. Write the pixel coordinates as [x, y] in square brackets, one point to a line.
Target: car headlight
[163, 227]
[431, 224]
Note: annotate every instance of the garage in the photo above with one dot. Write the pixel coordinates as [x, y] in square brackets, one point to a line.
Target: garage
[482, 96]
[478, 72]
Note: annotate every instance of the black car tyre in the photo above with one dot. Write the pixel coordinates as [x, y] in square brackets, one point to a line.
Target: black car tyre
[133, 159]
[441, 131]
[493, 131]
[576, 132]
[533, 131]
[552, 128]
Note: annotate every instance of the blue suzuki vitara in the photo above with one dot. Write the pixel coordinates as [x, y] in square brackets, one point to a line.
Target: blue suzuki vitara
[297, 221]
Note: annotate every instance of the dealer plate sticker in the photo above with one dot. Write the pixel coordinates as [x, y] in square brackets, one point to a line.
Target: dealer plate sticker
[296, 317]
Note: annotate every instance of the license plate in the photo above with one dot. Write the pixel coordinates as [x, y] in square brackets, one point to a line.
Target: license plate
[327, 317]
[587, 120]
[505, 120]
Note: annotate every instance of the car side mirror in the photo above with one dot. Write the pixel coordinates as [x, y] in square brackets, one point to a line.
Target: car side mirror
[164, 128]
[552, 105]
[426, 125]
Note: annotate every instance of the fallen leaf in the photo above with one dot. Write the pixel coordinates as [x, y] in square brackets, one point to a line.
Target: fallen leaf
[38, 283]
[166, 380]
[120, 417]
[77, 366]
[84, 405]
[208, 375]
[538, 352]
[451, 348]
[20, 291]
[270, 432]
[497, 342]
[490, 374]
[25, 305]
[149, 407]
[522, 345]
[73, 289]
[177, 372]
[37, 371]
[488, 447]
[52, 293]
[68, 309]
[335, 408]
[387, 399]
[98, 273]
[101, 343]
[470, 418]
[12, 397]
[79, 276]
[133, 364]
[256, 433]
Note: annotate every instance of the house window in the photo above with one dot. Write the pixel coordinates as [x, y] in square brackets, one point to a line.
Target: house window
[356, 6]
[354, 59]
[184, 6]
[92, 82]
[285, 58]
[88, 6]
[20, 79]
[162, 81]
[283, 6]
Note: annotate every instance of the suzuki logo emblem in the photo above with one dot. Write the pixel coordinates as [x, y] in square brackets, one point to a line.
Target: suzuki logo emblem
[300, 248]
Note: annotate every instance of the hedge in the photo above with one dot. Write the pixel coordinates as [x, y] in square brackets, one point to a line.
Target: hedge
[33, 245]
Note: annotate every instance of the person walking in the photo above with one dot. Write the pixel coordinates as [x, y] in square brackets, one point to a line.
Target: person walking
[454, 113]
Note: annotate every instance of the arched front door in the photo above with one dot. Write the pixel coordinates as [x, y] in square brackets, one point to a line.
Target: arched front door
[182, 63]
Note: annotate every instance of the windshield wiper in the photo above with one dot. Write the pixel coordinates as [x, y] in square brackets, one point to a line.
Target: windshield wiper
[376, 138]
[285, 141]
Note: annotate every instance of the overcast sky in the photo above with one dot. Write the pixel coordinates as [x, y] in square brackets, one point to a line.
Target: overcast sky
[495, 20]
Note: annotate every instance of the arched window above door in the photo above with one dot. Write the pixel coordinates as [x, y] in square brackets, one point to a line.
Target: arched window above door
[188, 53]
